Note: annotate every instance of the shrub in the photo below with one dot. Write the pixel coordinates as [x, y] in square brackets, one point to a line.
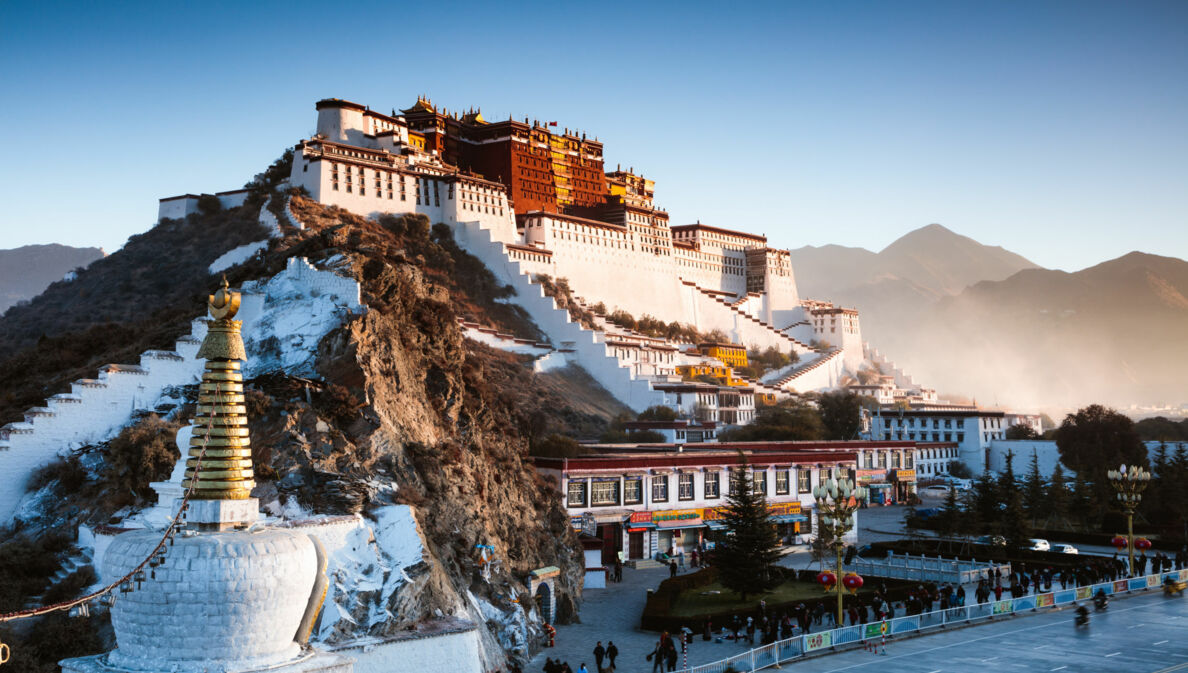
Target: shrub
[142, 453]
[69, 474]
[658, 413]
[208, 204]
[558, 446]
[337, 403]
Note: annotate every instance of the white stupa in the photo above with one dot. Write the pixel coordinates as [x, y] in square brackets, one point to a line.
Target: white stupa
[232, 596]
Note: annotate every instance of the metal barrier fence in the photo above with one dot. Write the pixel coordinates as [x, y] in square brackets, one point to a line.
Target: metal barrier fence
[923, 568]
[796, 647]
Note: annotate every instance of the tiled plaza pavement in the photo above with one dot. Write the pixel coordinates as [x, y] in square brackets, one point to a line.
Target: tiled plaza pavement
[1140, 634]
[613, 614]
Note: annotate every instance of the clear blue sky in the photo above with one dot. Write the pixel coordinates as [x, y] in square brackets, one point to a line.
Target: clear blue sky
[1058, 130]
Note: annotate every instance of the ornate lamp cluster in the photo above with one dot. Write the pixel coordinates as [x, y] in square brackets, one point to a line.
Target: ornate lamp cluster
[837, 500]
[1130, 482]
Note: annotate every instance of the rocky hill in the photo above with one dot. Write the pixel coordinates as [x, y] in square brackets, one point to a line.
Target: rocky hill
[404, 409]
[26, 271]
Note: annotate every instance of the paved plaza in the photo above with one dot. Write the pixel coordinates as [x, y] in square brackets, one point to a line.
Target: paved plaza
[1141, 633]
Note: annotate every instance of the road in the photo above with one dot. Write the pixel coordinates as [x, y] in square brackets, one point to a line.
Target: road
[1142, 634]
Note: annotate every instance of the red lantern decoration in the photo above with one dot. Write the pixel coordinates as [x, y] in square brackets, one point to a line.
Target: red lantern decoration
[1142, 544]
[1118, 542]
[852, 582]
[827, 579]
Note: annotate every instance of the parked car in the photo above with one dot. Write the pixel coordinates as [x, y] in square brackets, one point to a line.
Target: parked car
[1065, 549]
[994, 540]
[1038, 544]
[935, 491]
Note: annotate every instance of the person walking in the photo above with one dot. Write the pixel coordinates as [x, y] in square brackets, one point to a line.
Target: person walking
[672, 567]
[657, 658]
[750, 630]
[611, 653]
[582, 668]
[672, 656]
[599, 655]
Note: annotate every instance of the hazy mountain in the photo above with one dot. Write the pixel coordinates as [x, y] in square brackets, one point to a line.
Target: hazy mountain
[931, 262]
[899, 285]
[1114, 332]
[26, 271]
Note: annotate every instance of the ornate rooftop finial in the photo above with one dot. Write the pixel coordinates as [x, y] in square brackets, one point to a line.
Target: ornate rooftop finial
[220, 422]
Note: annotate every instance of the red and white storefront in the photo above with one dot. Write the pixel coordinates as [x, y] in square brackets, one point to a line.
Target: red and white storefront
[645, 501]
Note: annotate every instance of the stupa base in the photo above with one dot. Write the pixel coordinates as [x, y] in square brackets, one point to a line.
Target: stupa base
[317, 662]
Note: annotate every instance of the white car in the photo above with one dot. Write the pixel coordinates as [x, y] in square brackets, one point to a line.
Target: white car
[934, 492]
[1038, 544]
[1065, 549]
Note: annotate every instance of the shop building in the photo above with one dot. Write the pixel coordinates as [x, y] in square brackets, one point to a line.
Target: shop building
[645, 501]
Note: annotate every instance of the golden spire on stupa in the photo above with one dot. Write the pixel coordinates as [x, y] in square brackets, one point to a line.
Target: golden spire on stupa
[220, 422]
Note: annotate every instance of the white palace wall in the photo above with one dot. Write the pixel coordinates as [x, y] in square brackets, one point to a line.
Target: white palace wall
[441, 198]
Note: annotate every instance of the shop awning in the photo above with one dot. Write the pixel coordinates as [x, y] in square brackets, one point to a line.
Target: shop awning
[637, 527]
[788, 518]
[715, 525]
[878, 484]
[675, 524]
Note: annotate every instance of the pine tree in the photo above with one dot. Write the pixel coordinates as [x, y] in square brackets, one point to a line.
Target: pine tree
[1082, 499]
[1161, 492]
[747, 548]
[1014, 522]
[1178, 470]
[985, 498]
[1057, 497]
[1034, 500]
[950, 519]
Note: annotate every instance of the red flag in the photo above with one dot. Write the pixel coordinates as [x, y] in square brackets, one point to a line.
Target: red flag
[552, 123]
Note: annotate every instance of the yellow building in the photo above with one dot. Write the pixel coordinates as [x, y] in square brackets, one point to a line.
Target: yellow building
[732, 354]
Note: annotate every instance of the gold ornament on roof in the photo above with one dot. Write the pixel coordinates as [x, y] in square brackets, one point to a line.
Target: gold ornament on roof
[220, 421]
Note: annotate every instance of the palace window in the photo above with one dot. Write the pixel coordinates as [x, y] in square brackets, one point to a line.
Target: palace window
[576, 496]
[894, 459]
[604, 492]
[713, 485]
[685, 484]
[781, 482]
[660, 488]
[759, 481]
[803, 481]
[633, 491]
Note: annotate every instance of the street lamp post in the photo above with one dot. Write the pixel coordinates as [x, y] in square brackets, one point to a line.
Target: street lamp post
[837, 500]
[1129, 482]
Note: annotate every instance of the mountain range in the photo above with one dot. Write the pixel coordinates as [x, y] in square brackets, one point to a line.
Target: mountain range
[26, 271]
[981, 321]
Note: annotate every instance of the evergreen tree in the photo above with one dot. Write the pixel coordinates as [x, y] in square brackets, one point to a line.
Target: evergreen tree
[985, 499]
[1178, 470]
[1015, 528]
[1008, 483]
[1034, 497]
[949, 521]
[1057, 498]
[841, 414]
[1093, 441]
[1082, 499]
[747, 548]
[1157, 501]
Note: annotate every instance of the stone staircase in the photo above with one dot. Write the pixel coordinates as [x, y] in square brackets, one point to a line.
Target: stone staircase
[644, 564]
[803, 372]
[584, 346]
[80, 559]
[770, 332]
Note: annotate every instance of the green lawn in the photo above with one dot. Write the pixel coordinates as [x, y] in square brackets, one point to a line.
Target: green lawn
[702, 600]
